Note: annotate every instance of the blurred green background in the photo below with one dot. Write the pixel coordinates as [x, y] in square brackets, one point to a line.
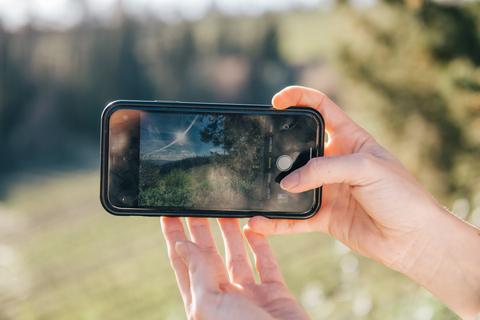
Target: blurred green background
[407, 71]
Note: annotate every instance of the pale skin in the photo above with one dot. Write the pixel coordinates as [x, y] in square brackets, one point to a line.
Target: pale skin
[373, 205]
[212, 289]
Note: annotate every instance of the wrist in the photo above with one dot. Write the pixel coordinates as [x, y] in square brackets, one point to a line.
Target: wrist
[426, 249]
[445, 260]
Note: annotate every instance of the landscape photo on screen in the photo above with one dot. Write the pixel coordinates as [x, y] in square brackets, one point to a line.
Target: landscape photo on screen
[201, 161]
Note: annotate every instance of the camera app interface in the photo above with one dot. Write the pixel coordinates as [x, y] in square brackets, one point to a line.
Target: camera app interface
[218, 161]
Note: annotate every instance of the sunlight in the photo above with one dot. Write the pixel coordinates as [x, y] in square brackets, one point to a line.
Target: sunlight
[180, 137]
[327, 138]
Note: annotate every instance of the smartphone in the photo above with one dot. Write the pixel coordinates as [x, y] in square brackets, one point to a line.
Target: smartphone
[161, 158]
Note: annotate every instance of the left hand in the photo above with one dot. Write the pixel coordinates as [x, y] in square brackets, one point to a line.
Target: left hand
[211, 289]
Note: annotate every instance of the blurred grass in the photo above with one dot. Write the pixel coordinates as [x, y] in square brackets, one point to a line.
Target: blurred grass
[63, 257]
[69, 259]
[83, 263]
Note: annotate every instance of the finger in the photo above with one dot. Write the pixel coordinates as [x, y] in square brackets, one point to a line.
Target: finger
[265, 260]
[202, 235]
[174, 232]
[237, 260]
[202, 273]
[345, 136]
[354, 170]
[306, 97]
[267, 226]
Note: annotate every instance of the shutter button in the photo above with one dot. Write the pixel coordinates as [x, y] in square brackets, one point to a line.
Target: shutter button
[284, 163]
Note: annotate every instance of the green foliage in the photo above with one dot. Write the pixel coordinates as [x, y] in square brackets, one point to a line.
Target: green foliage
[242, 139]
[212, 186]
[176, 179]
[230, 179]
[174, 189]
[409, 75]
[419, 69]
[452, 31]
[55, 84]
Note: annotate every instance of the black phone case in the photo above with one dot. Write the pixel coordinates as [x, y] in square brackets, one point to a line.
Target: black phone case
[204, 107]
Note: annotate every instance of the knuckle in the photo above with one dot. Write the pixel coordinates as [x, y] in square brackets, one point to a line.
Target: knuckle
[234, 260]
[198, 222]
[311, 169]
[176, 262]
[210, 249]
[238, 257]
[366, 160]
[291, 224]
[268, 267]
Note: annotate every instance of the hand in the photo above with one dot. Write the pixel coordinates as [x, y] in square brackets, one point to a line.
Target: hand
[208, 291]
[370, 202]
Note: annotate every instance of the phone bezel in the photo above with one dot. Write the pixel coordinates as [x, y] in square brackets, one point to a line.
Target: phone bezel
[175, 106]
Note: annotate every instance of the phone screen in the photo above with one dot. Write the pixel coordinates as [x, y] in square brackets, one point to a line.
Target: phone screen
[210, 161]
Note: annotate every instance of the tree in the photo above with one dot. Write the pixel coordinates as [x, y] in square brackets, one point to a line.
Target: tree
[241, 138]
[421, 64]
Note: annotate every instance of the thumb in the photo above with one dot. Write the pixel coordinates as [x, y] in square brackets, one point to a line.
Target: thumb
[182, 250]
[202, 274]
[355, 170]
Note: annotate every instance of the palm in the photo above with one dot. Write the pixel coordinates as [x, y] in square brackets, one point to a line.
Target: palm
[345, 219]
[272, 299]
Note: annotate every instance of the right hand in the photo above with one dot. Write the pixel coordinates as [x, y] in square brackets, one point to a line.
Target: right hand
[370, 202]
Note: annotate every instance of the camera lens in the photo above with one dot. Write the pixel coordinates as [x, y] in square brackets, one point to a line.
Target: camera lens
[286, 126]
[123, 199]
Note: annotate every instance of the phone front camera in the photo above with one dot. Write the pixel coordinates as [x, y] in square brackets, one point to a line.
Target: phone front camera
[123, 199]
[286, 126]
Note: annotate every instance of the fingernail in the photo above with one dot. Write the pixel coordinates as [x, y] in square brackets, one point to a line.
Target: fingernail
[290, 181]
[182, 250]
